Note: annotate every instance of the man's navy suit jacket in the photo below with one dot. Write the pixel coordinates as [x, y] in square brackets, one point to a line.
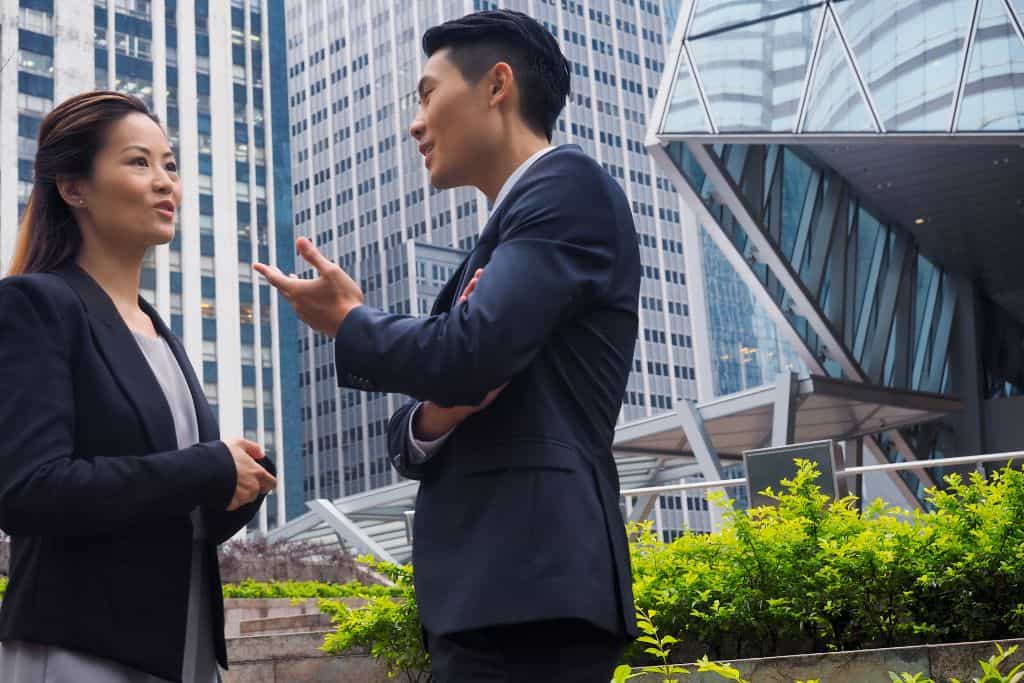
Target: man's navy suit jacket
[517, 518]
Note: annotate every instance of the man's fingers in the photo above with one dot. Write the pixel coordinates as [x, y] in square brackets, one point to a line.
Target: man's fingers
[274, 276]
[313, 255]
[471, 285]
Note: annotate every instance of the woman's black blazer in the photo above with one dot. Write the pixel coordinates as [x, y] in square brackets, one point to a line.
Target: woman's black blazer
[94, 490]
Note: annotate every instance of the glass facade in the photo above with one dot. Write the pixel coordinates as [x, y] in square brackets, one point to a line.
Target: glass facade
[850, 67]
[854, 284]
[746, 348]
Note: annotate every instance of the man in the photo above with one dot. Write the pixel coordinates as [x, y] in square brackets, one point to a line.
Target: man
[522, 568]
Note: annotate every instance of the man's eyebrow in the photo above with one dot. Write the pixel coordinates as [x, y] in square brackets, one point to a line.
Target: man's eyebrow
[421, 86]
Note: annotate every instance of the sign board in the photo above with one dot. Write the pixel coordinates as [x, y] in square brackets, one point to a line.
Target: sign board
[767, 467]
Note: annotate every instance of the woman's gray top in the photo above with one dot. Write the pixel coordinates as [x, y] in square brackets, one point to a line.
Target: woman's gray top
[33, 663]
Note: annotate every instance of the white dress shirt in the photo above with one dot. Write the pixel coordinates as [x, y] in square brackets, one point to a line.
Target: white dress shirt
[424, 450]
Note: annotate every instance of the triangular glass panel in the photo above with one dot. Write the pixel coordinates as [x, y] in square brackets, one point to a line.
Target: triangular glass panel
[835, 103]
[993, 96]
[715, 15]
[909, 54]
[753, 75]
[1019, 6]
[685, 113]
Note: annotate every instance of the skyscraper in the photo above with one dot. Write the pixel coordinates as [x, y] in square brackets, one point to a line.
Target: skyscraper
[361, 194]
[214, 73]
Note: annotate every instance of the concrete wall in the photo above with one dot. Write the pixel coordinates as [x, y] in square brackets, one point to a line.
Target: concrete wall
[939, 662]
[296, 658]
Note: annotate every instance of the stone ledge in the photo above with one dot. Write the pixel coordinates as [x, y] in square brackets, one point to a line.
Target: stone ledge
[940, 662]
[295, 657]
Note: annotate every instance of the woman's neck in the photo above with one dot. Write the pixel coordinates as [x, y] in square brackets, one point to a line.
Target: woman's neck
[116, 272]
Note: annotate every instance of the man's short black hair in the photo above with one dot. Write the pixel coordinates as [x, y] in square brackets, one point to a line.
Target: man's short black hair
[480, 40]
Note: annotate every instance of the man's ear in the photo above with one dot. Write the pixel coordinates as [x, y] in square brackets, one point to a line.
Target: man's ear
[71, 192]
[501, 80]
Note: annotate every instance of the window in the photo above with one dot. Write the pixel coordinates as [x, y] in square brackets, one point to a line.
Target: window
[138, 8]
[34, 20]
[133, 46]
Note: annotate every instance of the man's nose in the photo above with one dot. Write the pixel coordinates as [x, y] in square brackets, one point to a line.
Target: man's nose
[417, 128]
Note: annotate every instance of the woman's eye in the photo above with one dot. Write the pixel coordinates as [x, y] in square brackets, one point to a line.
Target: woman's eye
[172, 168]
[140, 161]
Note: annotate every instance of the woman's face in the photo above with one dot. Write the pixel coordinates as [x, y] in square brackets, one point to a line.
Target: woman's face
[134, 191]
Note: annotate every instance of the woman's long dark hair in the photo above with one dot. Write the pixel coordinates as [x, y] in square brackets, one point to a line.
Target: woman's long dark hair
[69, 138]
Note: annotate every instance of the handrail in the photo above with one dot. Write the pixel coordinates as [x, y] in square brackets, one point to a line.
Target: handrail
[849, 472]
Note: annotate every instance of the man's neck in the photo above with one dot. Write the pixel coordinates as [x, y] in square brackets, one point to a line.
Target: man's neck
[505, 164]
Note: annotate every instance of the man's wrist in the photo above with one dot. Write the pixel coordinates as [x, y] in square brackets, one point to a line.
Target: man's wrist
[431, 421]
[346, 309]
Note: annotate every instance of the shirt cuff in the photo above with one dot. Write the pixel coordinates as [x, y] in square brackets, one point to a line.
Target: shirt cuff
[421, 451]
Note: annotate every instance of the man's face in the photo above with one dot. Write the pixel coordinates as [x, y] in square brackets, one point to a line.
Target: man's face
[454, 124]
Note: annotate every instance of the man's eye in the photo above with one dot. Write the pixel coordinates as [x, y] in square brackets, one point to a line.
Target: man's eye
[172, 168]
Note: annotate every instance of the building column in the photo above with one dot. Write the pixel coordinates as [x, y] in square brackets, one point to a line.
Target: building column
[784, 411]
[707, 458]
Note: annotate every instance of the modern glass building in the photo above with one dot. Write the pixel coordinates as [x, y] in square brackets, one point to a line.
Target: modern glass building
[858, 163]
[361, 194]
[214, 73]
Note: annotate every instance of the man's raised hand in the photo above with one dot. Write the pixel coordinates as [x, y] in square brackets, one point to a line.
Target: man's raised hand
[323, 302]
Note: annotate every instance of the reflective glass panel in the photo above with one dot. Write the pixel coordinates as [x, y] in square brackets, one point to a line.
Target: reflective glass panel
[712, 15]
[685, 112]
[753, 76]
[909, 53]
[1019, 6]
[993, 96]
[835, 103]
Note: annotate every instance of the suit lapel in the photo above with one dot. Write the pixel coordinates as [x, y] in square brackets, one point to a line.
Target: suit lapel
[205, 419]
[478, 257]
[125, 359]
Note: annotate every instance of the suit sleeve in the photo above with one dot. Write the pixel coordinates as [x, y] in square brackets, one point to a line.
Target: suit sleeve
[399, 446]
[222, 525]
[556, 253]
[44, 488]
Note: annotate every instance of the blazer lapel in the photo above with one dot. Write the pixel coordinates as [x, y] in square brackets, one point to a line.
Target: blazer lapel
[446, 299]
[205, 419]
[125, 359]
[478, 257]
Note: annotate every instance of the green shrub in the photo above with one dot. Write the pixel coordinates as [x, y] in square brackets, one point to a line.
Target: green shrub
[809, 574]
[812, 574]
[387, 627]
[305, 589]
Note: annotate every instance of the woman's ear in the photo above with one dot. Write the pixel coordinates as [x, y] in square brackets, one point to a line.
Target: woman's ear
[71, 192]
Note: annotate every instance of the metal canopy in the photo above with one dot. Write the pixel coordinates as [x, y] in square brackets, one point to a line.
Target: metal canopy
[825, 408]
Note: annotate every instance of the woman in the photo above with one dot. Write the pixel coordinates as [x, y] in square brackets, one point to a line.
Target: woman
[114, 485]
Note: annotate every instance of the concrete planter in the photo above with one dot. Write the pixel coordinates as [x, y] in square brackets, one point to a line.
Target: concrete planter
[939, 662]
[296, 658]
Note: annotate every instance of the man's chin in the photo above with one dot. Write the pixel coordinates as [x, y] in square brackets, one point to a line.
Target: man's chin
[441, 181]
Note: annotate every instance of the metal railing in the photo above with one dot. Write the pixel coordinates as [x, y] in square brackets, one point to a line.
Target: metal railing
[846, 472]
[629, 494]
[647, 491]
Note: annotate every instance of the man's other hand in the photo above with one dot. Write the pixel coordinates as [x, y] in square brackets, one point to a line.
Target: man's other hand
[323, 302]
